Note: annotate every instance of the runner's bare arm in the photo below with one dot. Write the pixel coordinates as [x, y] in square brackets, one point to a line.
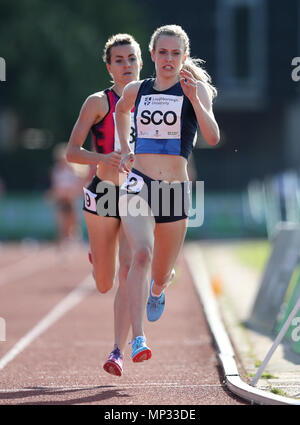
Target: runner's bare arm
[199, 97]
[94, 109]
[123, 110]
[205, 116]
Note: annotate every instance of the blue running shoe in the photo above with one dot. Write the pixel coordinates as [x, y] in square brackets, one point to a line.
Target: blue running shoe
[155, 305]
[140, 351]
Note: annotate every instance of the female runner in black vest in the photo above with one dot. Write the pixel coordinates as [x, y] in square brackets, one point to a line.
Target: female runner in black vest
[167, 112]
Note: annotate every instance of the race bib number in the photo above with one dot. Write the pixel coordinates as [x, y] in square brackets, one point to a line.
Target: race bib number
[89, 200]
[132, 133]
[158, 116]
[133, 184]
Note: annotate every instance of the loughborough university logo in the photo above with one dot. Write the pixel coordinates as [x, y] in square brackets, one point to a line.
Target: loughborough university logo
[147, 100]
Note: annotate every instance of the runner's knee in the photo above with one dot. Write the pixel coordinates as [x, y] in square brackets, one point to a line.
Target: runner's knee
[142, 256]
[123, 271]
[103, 283]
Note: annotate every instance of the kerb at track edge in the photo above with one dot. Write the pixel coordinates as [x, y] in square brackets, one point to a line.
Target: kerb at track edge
[193, 257]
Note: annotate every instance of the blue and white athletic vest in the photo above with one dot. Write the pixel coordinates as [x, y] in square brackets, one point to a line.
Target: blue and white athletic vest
[165, 121]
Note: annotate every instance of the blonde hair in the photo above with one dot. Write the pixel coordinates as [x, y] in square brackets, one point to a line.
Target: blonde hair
[119, 40]
[193, 65]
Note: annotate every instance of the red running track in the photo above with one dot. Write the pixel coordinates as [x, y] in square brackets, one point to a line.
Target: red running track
[57, 338]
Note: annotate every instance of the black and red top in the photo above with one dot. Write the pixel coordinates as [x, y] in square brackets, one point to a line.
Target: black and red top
[104, 133]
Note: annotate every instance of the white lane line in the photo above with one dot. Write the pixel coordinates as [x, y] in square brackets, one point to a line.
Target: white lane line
[97, 387]
[26, 267]
[14, 259]
[11, 267]
[73, 298]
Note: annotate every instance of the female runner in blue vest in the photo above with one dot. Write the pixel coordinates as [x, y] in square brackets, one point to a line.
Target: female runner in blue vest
[167, 112]
[122, 56]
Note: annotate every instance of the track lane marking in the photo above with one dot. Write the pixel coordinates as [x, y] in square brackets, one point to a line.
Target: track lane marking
[26, 267]
[104, 387]
[66, 304]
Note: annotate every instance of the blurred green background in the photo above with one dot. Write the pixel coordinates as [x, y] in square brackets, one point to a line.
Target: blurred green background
[52, 52]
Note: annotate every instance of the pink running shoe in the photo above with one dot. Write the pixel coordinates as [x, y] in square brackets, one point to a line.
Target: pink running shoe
[114, 363]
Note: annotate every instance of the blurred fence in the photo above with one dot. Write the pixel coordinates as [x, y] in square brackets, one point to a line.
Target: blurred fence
[30, 216]
[275, 201]
[251, 213]
[226, 215]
